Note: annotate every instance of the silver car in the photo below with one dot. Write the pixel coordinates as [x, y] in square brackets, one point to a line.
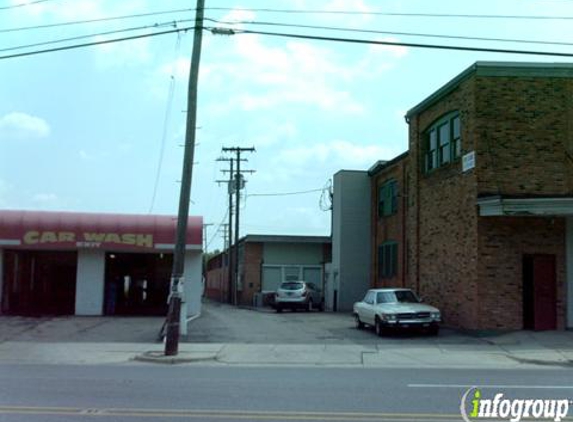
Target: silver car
[395, 309]
[298, 295]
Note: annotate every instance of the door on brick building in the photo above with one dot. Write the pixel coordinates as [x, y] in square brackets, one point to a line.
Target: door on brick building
[539, 292]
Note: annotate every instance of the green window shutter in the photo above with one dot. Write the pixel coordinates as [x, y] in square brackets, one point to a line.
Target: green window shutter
[381, 261]
[388, 259]
[381, 201]
[456, 137]
[394, 197]
[394, 247]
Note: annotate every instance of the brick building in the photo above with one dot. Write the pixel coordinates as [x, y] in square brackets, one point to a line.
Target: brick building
[388, 217]
[478, 216]
[264, 262]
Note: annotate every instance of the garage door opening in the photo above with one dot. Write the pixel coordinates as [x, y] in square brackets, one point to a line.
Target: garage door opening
[39, 283]
[137, 283]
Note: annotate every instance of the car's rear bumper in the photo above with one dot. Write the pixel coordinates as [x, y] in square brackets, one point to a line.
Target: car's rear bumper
[291, 302]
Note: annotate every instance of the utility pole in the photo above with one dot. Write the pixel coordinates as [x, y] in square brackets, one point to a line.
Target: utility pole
[177, 274]
[205, 225]
[225, 235]
[238, 185]
[229, 224]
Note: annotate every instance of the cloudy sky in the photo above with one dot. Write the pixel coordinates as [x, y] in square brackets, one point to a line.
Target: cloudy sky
[100, 128]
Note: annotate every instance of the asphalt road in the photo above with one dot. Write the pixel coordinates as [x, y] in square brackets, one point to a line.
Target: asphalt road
[172, 393]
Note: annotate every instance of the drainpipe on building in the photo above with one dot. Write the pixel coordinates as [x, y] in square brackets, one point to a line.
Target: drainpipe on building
[405, 192]
[417, 160]
[374, 279]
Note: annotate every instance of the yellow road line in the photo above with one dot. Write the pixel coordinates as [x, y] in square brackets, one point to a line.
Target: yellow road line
[232, 414]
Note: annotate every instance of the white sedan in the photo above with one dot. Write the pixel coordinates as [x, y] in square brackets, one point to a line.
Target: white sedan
[393, 309]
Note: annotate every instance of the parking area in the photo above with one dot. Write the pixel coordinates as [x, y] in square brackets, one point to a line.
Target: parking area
[225, 324]
[221, 323]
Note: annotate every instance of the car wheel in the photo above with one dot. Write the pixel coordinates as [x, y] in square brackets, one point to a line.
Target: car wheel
[359, 324]
[279, 309]
[309, 306]
[321, 307]
[378, 328]
[434, 331]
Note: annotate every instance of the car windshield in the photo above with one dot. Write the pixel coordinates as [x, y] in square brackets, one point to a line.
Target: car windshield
[291, 286]
[401, 296]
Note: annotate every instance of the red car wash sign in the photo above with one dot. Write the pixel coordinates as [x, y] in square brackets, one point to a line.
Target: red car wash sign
[88, 239]
[65, 230]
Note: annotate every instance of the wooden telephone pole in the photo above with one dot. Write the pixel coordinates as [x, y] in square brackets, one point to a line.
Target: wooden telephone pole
[177, 273]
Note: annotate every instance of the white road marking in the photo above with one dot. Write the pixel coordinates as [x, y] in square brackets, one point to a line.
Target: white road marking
[523, 387]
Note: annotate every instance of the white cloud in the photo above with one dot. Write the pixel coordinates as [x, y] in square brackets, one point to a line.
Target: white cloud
[264, 76]
[74, 9]
[107, 55]
[45, 198]
[341, 152]
[396, 50]
[121, 54]
[178, 68]
[359, 16]
[17, 125]
[281, 132]
[238, 15]
[322, 160]
[260, 74]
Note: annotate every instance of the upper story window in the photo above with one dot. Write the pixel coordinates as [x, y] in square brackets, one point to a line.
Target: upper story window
[388, 198]
[442, 142]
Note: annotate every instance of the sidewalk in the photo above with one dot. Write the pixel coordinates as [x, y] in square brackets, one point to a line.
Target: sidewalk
[100, 340]
[428, 356]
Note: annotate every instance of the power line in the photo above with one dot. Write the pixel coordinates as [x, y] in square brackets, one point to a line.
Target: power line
[90, 44]
[218, 227]
[79, 37]
[290, 35]
[111, 18]
[23, 4]
[285, 193]
[398, 44]
[373, 13]
[370, 31]
[165, 125]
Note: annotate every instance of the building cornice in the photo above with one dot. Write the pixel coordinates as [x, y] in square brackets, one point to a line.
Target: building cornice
[541, 207]
[495, 69]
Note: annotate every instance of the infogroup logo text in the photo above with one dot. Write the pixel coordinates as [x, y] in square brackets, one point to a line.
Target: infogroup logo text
[473, 407]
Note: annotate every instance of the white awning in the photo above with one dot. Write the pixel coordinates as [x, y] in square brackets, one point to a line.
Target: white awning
[544, 207]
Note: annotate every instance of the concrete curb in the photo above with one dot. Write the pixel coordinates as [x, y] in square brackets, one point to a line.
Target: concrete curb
[181, 357]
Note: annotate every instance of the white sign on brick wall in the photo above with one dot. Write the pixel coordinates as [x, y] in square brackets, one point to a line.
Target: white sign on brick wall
[468, 161]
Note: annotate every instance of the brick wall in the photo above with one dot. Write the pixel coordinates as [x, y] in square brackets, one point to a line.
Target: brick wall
[524, 135]
[216, 284]
[389, 228]
[502, 243]
[253, 260]
[471, 267]
[442, 218]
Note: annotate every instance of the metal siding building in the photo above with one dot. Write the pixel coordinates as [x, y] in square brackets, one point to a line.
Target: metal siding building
[351, 249]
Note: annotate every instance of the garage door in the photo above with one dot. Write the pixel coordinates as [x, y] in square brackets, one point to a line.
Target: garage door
[313, 275]
[272, 277]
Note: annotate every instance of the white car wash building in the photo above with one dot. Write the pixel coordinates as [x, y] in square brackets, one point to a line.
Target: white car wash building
[65, 263]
